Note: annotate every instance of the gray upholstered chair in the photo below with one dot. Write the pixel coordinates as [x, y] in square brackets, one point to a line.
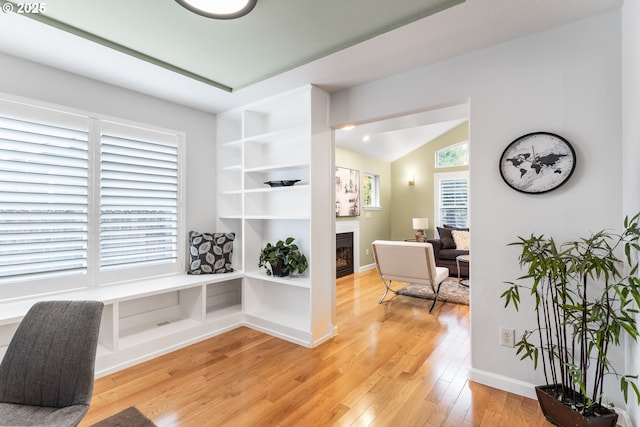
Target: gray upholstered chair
[46, 375]
[408, 262]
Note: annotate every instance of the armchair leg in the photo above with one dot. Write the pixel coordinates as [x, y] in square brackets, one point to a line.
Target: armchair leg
[387, 286]
[435, 298]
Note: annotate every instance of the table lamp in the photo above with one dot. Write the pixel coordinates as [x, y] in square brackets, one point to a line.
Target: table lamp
[420, 225]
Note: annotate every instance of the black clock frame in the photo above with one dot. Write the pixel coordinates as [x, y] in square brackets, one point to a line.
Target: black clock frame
[526, 136]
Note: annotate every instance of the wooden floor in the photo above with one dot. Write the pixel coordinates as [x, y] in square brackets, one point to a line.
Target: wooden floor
[392, 364]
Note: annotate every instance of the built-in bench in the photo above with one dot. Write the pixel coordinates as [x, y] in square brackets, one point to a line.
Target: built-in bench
[146, 318]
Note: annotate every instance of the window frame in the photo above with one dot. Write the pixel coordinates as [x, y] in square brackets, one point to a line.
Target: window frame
[449, 147]
[375, 192]
[438, 178]
[107, 276]
[39, 111]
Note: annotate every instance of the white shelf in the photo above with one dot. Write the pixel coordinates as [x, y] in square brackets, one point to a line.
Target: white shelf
[224, 313]
[296, 187]
[300, 282]
[145, 333]
[293, 132]
[231, 216]
[287, 217]
[277, 167]
[101, 351]
[127, 291]
[233, 143]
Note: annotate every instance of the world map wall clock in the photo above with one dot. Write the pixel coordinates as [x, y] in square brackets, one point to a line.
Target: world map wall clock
[537, 162]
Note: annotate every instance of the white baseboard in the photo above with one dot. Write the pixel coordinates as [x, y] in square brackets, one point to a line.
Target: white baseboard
[366, 267]
[501, 382]
[624, 420]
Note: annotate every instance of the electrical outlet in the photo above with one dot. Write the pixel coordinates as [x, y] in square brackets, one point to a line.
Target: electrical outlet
[366, 251]
[507, 337]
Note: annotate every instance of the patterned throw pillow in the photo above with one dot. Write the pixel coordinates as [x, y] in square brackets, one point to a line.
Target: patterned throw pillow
[461, 238]
[210, 252]
[446, 237]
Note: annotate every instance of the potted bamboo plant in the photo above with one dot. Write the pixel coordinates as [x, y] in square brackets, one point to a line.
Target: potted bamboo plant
[585, 295]
[282, 258]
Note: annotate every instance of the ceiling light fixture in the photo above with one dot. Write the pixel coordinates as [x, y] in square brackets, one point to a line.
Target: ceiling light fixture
[219, 9]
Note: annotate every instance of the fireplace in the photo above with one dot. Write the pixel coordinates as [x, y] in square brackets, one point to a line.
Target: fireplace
[344, 254]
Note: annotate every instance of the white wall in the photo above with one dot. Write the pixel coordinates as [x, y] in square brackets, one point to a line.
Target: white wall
[27, 79]
[566, 80]
[631, 141]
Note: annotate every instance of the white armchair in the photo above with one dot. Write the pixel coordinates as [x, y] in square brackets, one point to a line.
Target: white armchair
[408, 262]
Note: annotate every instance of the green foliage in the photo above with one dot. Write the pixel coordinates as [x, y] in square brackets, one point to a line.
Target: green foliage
[457, 155]
[586, 297]
[366, 190]
[284, 255]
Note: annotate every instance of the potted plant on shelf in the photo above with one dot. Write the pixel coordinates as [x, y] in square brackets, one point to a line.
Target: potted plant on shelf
[585, 295]
[282, 258]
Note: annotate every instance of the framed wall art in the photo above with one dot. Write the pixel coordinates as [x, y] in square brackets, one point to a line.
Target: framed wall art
[347, 192]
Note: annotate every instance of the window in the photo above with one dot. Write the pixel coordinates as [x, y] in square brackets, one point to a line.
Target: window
[91, 200]
[454, 155]
[43, 197]
[138, 199]
[452, 199]
[371, 190]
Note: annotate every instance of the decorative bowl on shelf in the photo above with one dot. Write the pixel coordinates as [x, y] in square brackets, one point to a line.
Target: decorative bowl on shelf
[282, 183]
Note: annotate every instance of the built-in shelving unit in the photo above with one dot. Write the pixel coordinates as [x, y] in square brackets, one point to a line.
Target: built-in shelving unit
[282, 138]
[145, 318]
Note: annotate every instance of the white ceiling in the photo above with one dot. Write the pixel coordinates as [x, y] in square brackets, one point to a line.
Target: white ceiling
[395, 137]
[278, 35]
[463, 28]
[471, 25]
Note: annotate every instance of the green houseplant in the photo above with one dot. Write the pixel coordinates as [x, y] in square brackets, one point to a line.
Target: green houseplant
[282, 258]
[585, 294]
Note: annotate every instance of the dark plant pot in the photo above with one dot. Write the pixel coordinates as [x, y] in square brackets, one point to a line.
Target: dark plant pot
[279, 269]
[559, 414]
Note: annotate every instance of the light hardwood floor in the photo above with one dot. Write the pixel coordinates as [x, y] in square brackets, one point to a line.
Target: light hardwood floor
[392, 364]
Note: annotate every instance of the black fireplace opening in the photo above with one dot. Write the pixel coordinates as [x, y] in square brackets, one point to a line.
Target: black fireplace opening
[344, 254]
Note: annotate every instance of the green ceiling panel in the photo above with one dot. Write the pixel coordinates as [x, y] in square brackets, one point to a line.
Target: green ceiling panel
[278, 35]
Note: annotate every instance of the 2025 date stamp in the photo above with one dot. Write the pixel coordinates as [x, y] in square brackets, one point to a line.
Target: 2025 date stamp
[23, 8]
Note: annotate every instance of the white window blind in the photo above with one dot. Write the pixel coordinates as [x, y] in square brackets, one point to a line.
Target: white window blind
[453, 199]
[43, 198]
[85, 201]
[138, 200]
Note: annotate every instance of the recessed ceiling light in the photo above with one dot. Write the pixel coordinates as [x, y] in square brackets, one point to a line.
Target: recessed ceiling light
[219, 9]
[366, 138]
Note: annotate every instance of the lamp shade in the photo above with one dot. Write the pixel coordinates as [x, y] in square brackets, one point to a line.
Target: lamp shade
[219, 9]
[420, 223]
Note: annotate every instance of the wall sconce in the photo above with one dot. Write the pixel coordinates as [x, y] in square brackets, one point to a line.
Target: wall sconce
[412, 179]
[420, 225]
